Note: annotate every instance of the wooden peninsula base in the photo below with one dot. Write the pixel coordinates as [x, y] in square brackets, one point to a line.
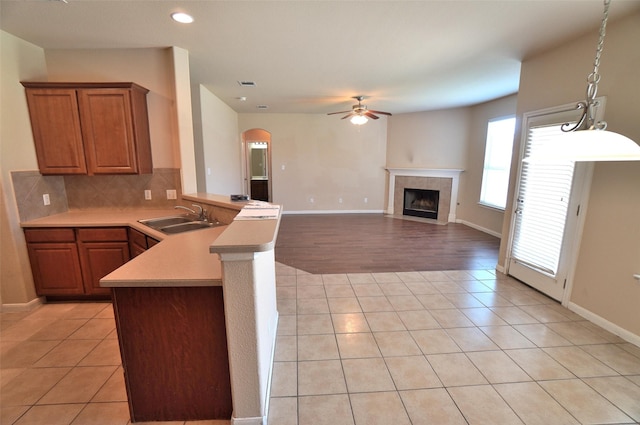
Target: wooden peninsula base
[197, 331]
[174, 352]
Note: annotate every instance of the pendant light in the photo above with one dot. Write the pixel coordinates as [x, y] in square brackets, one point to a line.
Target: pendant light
[588, 140]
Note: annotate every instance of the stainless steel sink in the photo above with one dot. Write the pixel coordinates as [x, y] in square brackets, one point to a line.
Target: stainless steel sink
[177, 224]
[186, 227]
[160, 222]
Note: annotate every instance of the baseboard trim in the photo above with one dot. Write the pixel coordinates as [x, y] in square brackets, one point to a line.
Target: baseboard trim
[285, 212]
[605, 324]
[480, 228]
[31, 305]
[260, 420]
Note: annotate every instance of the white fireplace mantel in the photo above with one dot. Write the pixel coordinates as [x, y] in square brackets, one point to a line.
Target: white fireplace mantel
[453, 174]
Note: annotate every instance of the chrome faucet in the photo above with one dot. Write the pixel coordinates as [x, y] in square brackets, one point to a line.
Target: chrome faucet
[201, 213]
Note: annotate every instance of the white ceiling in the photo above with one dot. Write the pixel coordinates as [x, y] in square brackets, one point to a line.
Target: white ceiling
[311, 56]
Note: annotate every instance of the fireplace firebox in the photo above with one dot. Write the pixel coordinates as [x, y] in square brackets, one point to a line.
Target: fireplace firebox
[421, 203]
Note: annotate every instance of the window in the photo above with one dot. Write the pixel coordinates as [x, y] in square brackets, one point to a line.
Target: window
[497, 162]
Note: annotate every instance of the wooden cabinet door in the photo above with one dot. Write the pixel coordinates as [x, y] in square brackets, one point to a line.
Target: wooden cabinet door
[102, 250]
[137, 242]
[107, 130]
[151, 242]
[56, 131]
[260, 190]
[98, 259]
[56, 268]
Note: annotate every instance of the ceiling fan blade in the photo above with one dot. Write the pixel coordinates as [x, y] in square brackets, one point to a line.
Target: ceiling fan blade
[380, 112]
[341, 112]
[370, 115]
[350, 114]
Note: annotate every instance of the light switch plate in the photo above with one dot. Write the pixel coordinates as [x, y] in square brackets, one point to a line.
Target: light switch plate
[46, 199]
[147, 195]
[171, 194]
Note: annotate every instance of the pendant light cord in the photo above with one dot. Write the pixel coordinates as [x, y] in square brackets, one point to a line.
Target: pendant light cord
[587, 120]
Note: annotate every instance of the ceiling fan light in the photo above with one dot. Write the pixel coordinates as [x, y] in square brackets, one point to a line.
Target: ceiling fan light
[359, 119]
[589, 145]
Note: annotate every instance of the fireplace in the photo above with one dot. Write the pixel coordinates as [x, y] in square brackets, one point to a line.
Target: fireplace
[421, 203]
[446, 181]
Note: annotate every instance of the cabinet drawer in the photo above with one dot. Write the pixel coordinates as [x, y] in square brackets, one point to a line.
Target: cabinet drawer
[111, 234]
[49, 235]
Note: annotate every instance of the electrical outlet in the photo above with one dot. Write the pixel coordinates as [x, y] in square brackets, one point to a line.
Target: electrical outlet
[339, 200]
[171, 194]
[366, 200]
[147, 195]
[46, 199]
[311, 200]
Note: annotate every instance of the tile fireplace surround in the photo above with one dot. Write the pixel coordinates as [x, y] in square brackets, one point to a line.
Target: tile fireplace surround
[444, 180]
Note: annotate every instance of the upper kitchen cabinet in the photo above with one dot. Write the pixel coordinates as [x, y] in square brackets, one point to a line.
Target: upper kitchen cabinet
[90, 128]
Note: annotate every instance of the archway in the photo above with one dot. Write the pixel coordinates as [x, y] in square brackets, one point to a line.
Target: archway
[256, 146]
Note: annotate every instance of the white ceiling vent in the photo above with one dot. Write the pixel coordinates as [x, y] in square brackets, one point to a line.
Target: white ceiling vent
[247, 83]
[261, 106]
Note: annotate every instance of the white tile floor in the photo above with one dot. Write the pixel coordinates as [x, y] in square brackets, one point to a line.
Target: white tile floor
[455, 347]
[459, 347]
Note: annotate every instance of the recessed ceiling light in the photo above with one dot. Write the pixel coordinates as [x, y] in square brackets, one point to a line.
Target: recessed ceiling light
[182, 17]
[242, 98]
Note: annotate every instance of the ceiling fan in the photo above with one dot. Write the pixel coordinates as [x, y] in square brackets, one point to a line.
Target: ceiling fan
[360, 112]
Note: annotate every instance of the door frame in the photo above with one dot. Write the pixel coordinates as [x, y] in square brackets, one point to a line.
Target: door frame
[579, 202]
[246, 160]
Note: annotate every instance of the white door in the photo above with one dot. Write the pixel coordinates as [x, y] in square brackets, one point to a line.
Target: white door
[546, 219]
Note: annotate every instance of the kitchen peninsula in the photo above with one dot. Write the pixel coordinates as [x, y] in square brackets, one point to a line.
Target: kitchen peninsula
[196, 315]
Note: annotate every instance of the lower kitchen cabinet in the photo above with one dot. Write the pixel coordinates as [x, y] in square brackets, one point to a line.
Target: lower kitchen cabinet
[55, 262]
[102, 250]
[70, 262]
[139, 242]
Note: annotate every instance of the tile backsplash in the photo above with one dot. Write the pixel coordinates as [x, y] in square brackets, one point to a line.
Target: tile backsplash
[29, 186]
[123, 191]
[90, 192]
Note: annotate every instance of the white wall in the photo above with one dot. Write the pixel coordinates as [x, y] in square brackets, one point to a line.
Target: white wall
[326, 159]
[221, 145]
[184, 127]
[433, 139]
[19, 61]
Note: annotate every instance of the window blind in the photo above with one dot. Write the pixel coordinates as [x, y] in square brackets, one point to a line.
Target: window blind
[542, 204]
